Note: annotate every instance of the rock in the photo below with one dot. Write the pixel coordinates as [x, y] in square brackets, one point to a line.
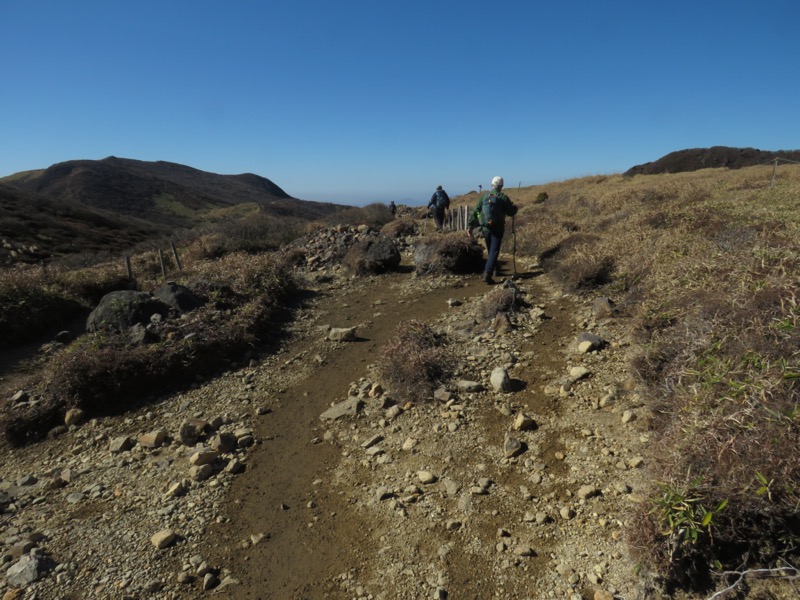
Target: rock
[588, 342]
[628, 416]
[524, 550]
[224, 442]
[27, 569]
[119, 310]
[464, 385]
[154, 439]
[603, 595]
[163, 539]
[191, 430]
[587, 491]
[201, 472]
[500, 380]
[235, 466]
[512, 446]
[602, 308]
[179, 298]
[566, 513]
[203, 457]
[426, 477]
[350, 407]
[342, 334]
[523, 422]
[119, 444]
[74, 416]
[578, 373]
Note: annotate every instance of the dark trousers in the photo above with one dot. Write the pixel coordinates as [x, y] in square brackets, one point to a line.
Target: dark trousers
[493, 241]
[438, 217]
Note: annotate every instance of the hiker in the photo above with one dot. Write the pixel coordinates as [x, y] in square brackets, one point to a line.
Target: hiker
[490, 215]
[392, 207]
[440, 202]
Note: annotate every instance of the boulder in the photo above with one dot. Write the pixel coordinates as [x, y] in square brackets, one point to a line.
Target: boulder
[375, 254]
[178, 297]
[122, 309]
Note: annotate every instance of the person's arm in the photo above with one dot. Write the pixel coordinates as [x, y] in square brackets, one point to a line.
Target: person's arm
[474, 218]
[511, 208]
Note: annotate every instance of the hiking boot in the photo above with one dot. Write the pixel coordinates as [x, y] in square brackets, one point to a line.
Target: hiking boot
[487, 278]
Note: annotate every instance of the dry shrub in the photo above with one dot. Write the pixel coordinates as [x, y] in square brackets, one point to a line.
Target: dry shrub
[31, 304]
[105, 373]
[399, 228]
[414, 361]
[449, 253]
[497, 300]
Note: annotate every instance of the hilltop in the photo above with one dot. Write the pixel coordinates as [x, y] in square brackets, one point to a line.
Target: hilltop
[137, 200]
[716, 157]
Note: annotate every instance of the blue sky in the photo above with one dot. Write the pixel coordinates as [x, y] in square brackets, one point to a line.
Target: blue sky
[362, 101]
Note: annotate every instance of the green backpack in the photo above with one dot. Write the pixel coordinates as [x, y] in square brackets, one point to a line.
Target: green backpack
[493, 214]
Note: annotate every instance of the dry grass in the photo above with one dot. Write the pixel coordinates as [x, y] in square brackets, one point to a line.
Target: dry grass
[707, 265]
[415, 361]
[105, 373]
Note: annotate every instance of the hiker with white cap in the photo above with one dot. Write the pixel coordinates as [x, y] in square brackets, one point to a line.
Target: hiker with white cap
[440, 202]
[490, 215]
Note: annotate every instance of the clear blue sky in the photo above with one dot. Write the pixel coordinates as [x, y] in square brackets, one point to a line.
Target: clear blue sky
[361, 101]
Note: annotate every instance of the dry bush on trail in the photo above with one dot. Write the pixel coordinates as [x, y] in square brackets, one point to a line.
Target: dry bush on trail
[399, 228]
[448, 253]
[498, 300]
[414, 361]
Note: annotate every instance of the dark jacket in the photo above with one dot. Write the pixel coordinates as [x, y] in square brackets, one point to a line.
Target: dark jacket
[440, 200]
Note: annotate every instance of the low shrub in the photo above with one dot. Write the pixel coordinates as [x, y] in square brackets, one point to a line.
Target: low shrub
[415, 361]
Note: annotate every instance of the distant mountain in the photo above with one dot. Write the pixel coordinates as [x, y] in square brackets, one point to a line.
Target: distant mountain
[161, 192]
[710, 158]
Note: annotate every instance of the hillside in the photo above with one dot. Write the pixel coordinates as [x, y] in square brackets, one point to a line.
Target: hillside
[715, 157]
[660, 461]
[161, 192]
[34, 227]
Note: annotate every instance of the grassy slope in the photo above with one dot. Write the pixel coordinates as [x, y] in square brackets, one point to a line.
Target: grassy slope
[706, 266]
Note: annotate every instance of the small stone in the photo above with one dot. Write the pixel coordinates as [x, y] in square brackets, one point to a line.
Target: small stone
[154, 439]
[587, 491]
[523, 422]
[512, 446]
[628, 416]
[524, 550]
[74, 416]
[120, 444]
[426, 477]
[567, 513]
[500, 380]
[203, 457]
[163, 539]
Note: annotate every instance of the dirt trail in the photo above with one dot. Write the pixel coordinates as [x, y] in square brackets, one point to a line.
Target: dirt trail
[307, 545]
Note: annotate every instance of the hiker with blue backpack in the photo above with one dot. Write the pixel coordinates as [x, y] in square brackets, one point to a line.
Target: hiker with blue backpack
[440, 202]
[490, 215]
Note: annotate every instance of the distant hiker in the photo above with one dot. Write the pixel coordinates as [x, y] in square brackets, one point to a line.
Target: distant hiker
[392, 207]
[490, 214]
[480, 187]
[440, 202]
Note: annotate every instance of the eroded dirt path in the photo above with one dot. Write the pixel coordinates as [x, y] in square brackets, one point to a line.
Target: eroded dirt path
[311, 529]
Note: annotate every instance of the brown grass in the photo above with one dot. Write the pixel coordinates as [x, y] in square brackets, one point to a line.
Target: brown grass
[707, 265]
[415, 361]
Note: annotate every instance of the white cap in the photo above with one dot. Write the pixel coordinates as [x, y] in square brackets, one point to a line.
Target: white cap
[497, 182]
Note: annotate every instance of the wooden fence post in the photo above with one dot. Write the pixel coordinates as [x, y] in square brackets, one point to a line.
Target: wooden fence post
[175, 254]
[163, 266]
[128, 267]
